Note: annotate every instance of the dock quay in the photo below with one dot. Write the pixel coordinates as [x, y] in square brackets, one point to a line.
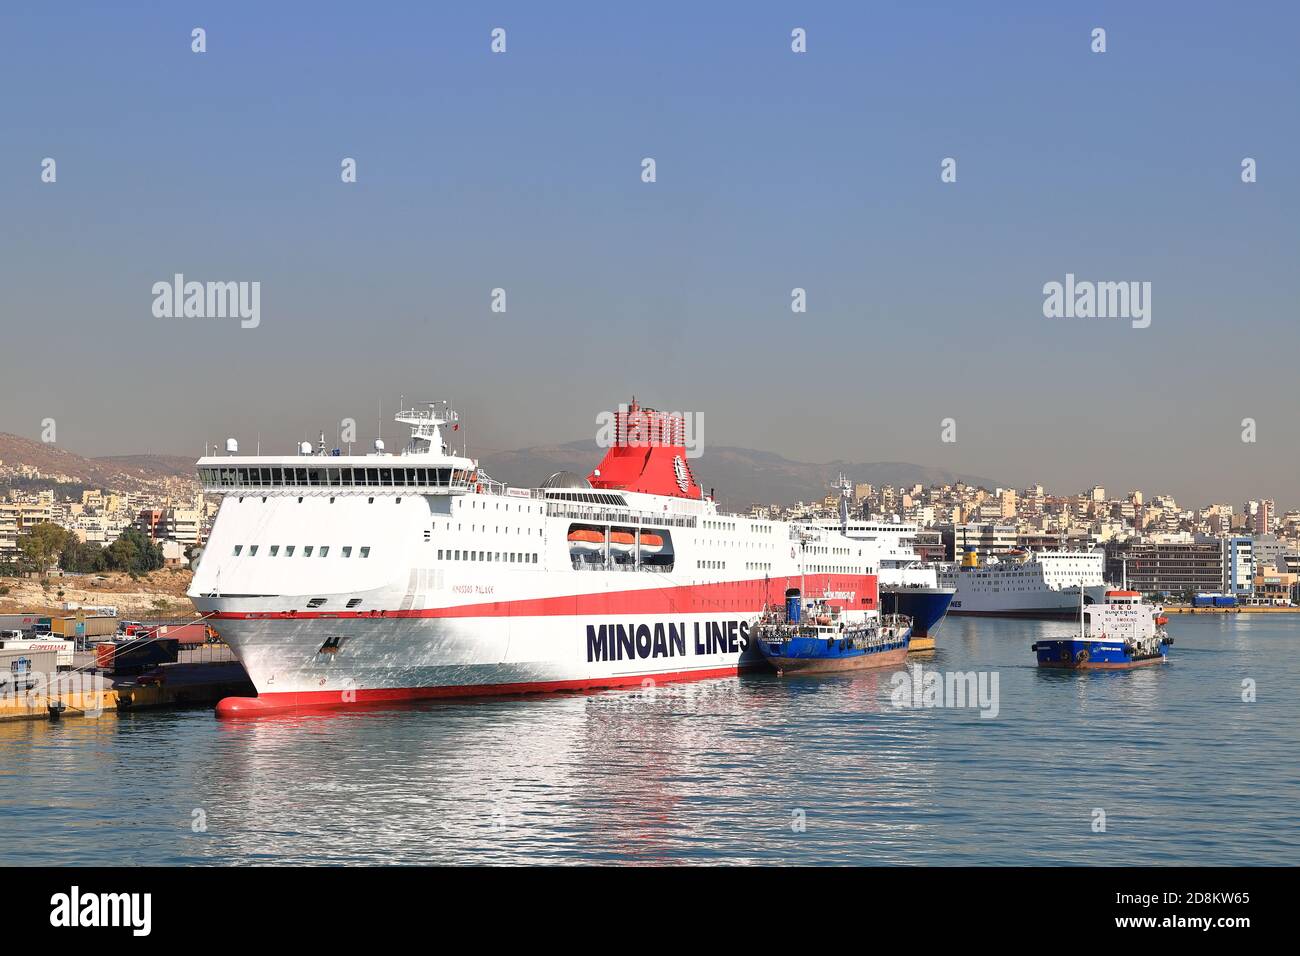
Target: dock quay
[35, 689]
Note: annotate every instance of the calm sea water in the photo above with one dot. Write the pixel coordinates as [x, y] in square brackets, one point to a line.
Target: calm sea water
[744, 770]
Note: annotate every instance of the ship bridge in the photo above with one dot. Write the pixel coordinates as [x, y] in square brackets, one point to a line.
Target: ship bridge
[425, 466]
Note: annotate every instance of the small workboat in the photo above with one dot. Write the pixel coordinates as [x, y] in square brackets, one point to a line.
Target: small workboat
[818, 638]
[1120, 634]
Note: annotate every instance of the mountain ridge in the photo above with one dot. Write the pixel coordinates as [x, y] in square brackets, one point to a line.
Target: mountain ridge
[740, 476]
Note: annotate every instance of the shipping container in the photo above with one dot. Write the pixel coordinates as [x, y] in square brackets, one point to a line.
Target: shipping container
[101, 626]
[19, 669]
[19, 622]
[1225, 600]
[1203, 600]
[129, 657]
[186, 634]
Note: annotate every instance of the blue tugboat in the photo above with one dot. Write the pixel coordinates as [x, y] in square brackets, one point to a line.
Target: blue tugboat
[818, 639]
[1120, 634]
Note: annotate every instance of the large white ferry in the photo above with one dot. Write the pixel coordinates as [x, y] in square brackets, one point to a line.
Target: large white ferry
[350, 579]
[1025, 583]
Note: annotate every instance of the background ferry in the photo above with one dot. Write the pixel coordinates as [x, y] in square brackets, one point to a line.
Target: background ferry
[347, 579]
[1024, 583]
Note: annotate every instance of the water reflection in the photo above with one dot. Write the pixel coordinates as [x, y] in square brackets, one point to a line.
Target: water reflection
[756, 769]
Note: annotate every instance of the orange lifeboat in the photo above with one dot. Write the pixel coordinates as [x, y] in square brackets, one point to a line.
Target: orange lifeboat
[586, 540]
[651, 543]
[621, 541]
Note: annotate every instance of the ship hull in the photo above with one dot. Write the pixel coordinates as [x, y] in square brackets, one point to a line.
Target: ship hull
[1049, 606]
[297, 701]
[927, 608]
[821, 655]
[1093, 655]
[832, 665]
[336, 661]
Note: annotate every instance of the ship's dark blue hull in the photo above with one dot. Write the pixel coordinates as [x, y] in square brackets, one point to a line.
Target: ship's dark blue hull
[925, 606]
[1093, 655]
[823, 654]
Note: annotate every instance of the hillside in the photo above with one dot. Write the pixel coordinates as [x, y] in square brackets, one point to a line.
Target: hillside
[121, 471]
[741, 476]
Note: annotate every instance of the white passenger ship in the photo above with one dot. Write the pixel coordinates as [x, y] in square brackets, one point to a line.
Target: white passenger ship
[351, 579]
[1041, 584]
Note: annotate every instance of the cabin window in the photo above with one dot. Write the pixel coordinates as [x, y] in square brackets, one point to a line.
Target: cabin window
[238, 548]
[275, 549]
[324, 550]
[306, 551]
[252, 550]
[347, 551]
[288, 550]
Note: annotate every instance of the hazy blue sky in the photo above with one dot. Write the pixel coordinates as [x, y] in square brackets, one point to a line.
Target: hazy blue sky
[775, 170]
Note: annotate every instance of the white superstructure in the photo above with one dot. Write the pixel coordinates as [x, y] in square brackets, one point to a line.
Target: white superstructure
[350, 578]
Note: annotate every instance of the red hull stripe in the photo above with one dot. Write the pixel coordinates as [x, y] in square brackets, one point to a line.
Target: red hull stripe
[280, 703]
[684, 599]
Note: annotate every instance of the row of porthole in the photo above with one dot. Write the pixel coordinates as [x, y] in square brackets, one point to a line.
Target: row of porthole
[307, 551]
[511, 557]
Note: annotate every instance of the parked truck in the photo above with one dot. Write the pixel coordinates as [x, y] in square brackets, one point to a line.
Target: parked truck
[17, 641]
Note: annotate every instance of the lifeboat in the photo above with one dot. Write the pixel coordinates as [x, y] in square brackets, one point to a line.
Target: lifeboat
[621, 541]
[586, 540]
[651, 543]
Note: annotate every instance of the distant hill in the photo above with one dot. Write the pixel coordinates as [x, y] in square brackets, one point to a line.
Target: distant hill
[741, 476]
[121, 471]
[153, 464]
